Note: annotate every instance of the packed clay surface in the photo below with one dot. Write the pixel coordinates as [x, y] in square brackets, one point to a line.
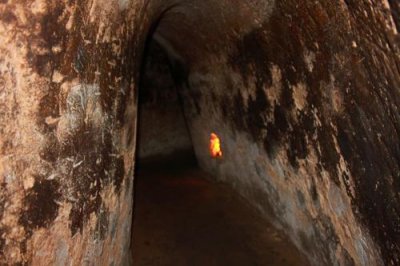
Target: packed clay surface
[183, 218]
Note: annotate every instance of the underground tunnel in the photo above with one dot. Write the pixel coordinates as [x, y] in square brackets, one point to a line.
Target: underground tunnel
[300, 96]
[180, 218]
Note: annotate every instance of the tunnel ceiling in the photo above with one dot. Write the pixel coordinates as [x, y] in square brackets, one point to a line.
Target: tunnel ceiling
[197, 31]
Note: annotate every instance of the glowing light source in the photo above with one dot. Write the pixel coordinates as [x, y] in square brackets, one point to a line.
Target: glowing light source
[215, 146]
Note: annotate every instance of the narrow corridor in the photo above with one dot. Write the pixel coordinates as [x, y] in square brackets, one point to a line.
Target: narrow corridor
[181, 218]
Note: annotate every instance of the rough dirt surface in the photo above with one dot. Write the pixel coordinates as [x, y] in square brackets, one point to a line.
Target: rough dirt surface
[181, 218]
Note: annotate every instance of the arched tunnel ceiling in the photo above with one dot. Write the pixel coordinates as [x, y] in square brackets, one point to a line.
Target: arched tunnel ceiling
[200, 30]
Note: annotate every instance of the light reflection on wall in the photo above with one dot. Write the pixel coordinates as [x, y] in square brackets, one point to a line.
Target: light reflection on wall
[215, 146]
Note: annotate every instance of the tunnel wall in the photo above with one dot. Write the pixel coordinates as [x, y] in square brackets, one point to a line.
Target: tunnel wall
[306, 105]
[162, 129]
[67, 130]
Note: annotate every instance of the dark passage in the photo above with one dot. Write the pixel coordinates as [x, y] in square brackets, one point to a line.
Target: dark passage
[181, 218]
[162, 128]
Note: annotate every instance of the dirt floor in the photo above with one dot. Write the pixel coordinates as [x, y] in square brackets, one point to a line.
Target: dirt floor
[181, 218]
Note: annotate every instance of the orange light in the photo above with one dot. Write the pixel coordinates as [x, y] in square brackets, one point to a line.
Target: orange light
[215, 146]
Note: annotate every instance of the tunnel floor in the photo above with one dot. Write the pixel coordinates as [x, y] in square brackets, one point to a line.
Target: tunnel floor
[181, 218]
